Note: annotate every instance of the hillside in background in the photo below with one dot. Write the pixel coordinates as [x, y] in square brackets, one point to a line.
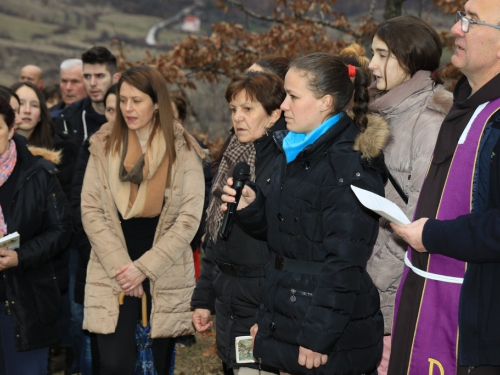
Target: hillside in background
[45, 32]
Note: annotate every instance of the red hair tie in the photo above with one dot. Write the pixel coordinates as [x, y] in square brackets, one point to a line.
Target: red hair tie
[352, 70]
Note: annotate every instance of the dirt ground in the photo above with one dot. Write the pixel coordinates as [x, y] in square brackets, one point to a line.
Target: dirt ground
[199, 359]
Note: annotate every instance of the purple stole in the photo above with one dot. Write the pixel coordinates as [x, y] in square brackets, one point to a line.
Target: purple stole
[435, 341]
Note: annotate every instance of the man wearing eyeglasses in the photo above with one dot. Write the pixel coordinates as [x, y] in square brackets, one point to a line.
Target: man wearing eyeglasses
[447, 314]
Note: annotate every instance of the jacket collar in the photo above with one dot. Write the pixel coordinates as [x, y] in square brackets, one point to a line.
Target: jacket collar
[401, 97]
[268, 138]
[465, 101]
[326, 138]
[28, 161]
[370, 143]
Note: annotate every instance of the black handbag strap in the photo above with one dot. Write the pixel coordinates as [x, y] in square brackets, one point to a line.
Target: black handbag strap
[400, 191]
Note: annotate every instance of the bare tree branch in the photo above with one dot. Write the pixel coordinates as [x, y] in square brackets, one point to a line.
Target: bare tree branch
[251, 13]
[320, 21]
[372, 9]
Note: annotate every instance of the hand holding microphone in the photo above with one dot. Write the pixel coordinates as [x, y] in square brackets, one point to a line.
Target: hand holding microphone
[233, 194]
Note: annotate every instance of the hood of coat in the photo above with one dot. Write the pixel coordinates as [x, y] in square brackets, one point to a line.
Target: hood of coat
[441, 101]
[182, 137]
[409, 94]
[50, 155]
[373, 140]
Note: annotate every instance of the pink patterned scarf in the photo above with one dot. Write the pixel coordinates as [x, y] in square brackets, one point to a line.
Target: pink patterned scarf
[7, 163]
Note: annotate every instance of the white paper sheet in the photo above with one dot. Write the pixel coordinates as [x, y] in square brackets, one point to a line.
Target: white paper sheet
[381, 206]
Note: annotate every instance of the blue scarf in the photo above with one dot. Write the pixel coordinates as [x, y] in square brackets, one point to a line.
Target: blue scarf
[294, 143]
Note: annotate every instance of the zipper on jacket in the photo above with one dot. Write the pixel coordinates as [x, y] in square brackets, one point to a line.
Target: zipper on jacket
[300, 293]
[7, 308]
[54, 201]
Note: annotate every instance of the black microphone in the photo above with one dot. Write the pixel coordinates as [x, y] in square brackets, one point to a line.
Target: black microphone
[240, 176]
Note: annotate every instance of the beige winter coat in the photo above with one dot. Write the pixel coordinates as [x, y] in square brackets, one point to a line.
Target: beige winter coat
[168, 264]
[414, 112]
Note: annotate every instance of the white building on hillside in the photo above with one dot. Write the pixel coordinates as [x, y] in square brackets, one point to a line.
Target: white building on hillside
[191, 24]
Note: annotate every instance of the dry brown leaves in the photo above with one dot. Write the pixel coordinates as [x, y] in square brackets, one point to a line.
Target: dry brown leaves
[450, 6]
[230, 48]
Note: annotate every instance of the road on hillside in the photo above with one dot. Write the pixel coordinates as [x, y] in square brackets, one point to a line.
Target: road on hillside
[151, 37]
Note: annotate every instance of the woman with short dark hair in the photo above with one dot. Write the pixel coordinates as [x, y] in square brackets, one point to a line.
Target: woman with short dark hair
[230, 285]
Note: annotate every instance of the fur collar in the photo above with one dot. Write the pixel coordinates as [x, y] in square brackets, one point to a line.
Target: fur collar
[372, 141]
[50, 155]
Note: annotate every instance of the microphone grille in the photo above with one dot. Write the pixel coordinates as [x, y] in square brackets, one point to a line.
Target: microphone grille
[241, 171]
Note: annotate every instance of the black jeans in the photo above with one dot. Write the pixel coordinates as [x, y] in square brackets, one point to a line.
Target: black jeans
[118, 350]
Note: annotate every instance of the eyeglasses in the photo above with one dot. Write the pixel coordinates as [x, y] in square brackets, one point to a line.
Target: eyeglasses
[465, 22]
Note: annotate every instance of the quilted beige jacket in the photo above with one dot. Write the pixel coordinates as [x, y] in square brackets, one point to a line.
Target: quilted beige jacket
[414, 112]
[168, 264]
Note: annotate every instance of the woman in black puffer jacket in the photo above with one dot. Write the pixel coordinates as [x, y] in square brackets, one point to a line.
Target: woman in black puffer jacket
[233, 269]
[320, 312]
[33, 204]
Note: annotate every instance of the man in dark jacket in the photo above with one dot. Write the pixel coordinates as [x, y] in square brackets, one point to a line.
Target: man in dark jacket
[457, 237]
[79, 121]
[84, 117]
[71, 84]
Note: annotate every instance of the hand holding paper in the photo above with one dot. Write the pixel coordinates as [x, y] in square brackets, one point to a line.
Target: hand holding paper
[381, 206]
[412, 234]
[11, 242]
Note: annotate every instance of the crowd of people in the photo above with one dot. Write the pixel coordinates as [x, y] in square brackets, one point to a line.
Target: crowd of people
[113, 200]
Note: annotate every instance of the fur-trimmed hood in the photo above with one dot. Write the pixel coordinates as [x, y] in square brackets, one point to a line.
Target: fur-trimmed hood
[373, 140]
[54, 156]
[441, 101]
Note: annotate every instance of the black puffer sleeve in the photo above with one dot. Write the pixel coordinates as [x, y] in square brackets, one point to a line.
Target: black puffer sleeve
[56, 224]
[253, 217]
[203, 295]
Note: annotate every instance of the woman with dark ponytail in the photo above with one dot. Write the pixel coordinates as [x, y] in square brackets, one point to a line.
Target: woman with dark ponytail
[409, 95]
[320, 310]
